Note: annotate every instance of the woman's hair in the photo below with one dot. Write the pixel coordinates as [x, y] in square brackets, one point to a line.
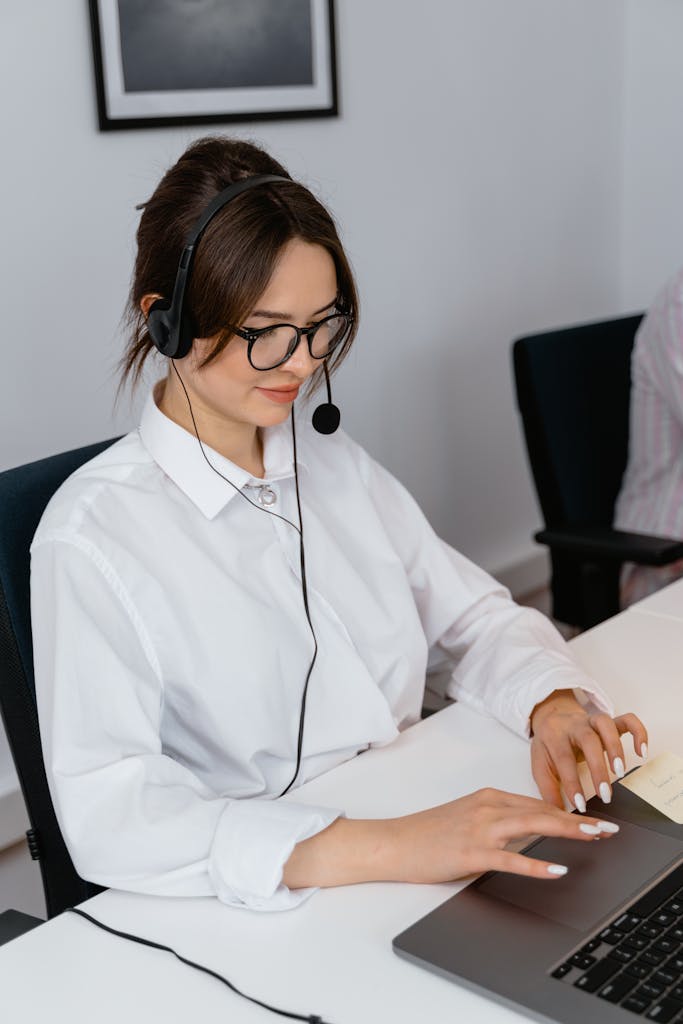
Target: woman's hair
[238, 251]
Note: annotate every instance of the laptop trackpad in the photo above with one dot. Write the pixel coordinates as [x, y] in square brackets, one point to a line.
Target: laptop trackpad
[602, 875]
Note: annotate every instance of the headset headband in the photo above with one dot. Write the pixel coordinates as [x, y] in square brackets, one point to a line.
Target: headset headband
[170, 328]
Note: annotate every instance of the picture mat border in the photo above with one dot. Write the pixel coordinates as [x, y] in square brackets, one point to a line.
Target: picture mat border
[118, 110]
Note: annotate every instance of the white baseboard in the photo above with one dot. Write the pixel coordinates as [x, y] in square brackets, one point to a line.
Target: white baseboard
[13, 818]
[526, 576]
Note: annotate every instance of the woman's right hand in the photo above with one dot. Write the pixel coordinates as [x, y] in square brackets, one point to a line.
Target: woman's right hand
[454, 840]
[468, 836]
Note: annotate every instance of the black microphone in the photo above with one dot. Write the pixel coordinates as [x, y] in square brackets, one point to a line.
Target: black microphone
[327, 416]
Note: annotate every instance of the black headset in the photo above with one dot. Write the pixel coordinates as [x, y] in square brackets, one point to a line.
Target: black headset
[171, 327]
[172, 330]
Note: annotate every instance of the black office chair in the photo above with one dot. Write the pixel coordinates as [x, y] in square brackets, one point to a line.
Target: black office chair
[573, 392]
[24, 493]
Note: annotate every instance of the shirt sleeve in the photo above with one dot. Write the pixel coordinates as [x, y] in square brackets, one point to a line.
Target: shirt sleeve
[506, 658]
[659, 347]
[132, 817]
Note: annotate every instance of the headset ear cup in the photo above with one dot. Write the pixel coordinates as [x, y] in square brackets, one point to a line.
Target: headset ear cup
[160, 329]
[158, 326]
[186, 335]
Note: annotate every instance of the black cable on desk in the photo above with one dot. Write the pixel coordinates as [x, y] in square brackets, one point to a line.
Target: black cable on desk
[310, 1018]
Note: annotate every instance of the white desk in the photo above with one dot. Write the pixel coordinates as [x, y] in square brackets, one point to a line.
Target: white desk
[668, 601]
[332, 956]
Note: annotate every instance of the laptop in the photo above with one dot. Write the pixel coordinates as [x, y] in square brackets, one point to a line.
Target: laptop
[602, 944]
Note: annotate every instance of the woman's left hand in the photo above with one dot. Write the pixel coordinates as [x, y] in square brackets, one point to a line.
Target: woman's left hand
[563, 733]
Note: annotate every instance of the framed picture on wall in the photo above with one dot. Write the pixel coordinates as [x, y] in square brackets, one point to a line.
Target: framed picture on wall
[176, 62]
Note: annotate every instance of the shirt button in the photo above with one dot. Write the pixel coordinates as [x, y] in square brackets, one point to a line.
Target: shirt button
[267, 496]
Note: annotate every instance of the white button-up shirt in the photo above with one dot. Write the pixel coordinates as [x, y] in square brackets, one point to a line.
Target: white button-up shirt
[171, 649]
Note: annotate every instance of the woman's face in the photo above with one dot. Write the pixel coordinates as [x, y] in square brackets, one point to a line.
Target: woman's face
[302, 290]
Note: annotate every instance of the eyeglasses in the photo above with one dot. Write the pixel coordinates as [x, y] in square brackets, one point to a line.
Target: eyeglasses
[269, 347]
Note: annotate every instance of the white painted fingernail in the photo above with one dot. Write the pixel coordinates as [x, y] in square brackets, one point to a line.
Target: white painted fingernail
[557, 869]
[619, 768]
[607, 826]
[591, 830]
[605, 792]
[580, 803]
[643, 751]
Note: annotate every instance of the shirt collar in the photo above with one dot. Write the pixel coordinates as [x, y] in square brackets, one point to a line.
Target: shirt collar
[178, 454]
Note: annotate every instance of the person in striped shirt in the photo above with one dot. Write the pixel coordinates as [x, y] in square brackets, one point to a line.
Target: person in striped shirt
[651, 497]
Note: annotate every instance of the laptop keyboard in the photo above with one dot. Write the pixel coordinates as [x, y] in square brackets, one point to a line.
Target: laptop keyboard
[636, 961]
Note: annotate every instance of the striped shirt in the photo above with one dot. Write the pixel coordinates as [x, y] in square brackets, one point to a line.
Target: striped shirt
[651, 498]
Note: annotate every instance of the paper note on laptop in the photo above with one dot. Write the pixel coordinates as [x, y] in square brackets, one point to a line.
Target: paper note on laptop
[660, 783]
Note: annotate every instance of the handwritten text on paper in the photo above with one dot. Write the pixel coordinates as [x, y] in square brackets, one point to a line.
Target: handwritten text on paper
[660, 783]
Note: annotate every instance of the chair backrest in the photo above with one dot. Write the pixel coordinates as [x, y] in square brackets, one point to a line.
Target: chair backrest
[24, 493]
[573, 391]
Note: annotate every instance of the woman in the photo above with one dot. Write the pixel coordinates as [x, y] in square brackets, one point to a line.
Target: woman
[196, 657]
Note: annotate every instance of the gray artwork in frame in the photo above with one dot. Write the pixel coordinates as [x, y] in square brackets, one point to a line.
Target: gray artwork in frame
[175, 62]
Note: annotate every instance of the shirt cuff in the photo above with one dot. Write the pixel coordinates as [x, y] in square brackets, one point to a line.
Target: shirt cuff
[586, 690]
[252, 843]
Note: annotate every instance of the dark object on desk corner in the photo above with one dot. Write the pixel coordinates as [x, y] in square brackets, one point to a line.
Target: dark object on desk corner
[14, 923]
[24, 493]
[573, 391]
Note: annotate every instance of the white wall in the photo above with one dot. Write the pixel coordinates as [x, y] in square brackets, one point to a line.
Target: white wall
[652, 203]
[475, 171]
[472, 171]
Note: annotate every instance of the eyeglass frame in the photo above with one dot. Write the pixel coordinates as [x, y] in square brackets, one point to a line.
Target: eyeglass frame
[252, 335]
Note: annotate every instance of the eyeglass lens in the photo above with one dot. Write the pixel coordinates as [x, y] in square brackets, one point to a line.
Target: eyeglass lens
[275, 345]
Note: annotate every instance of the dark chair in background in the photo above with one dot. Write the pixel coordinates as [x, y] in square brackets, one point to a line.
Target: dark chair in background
[24, 493]
[573, 391]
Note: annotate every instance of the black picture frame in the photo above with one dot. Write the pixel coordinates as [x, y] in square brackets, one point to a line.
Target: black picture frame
[129, 96]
